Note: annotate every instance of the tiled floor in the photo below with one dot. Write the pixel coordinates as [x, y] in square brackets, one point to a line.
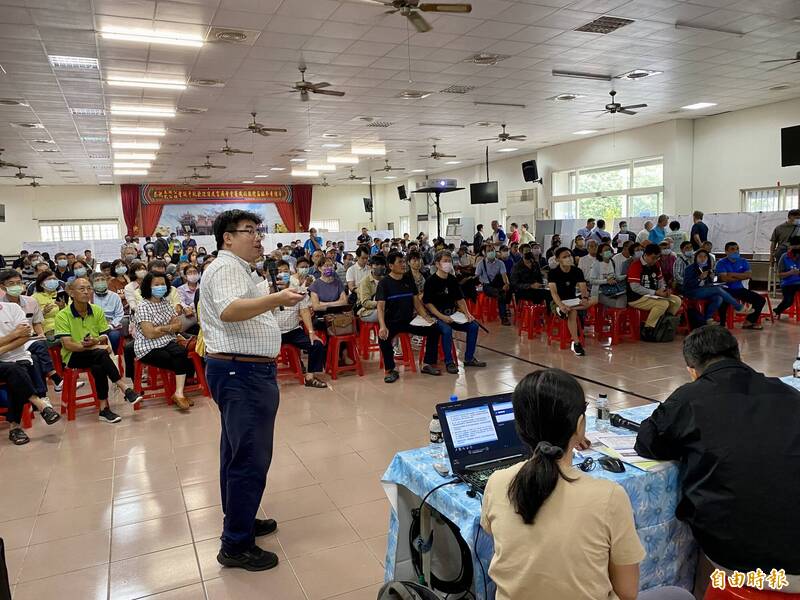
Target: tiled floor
[91, 511]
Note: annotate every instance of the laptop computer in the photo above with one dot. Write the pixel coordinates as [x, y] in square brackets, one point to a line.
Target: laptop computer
[481, 437]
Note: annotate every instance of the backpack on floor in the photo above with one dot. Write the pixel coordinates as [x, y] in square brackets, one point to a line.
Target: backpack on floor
[664, 331]
[405, 590]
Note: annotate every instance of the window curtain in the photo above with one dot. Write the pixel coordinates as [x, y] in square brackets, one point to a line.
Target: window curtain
[286, 212]
[151, 215]
[130, 205]
[301, 194]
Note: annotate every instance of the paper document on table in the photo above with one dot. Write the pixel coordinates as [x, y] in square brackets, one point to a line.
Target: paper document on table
[459, 317]
[420, 322]
[572, 302]
[622, 447]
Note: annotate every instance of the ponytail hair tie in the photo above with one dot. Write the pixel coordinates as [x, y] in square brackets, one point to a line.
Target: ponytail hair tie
[549, 450]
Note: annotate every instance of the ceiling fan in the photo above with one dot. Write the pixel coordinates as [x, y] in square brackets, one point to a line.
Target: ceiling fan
[788, 61]
[4, 164]
[19, 175]
[504, 137]
[197, 175]
[228, 151]
[304, 87]
[435, 155]
[32, 183]
[207, 165]
[352, 176]
[256, 127]
[409, 8]
[386, 168]
[324, 182]
[614, 107]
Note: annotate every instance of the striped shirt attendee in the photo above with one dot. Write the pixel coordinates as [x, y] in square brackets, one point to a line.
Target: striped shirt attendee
[242, 339]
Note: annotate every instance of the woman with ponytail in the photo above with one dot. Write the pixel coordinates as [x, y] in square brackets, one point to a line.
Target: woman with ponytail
[560, 534]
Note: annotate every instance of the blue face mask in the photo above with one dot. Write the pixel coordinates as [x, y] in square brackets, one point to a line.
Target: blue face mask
[159, 291]
[51, 285]
[80, 272]
[734, 256]
[703, 264]
[121, 270]
[283, 277]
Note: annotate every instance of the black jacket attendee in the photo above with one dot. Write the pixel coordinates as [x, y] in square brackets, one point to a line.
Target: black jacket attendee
[736, 433]
[398, 299]
[477, 240]
[527, 282]
[555, 244]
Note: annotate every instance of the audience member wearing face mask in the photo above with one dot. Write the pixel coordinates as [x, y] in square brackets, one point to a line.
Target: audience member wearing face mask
[698, 283]
[492, 274]
[367, 306]
[570, 294]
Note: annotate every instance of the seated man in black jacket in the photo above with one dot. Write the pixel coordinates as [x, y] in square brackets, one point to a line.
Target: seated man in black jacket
[736, 433]
[527, 282]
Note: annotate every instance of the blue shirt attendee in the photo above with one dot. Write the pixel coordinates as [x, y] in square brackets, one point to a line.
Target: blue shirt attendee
[789, 273]
[585, 232]
[659, 232]
[733, 263]
[505, 256]
[494, 279]
[733, 271]
[599, 233]
[699, 231]
[112, 307]
[314, 242]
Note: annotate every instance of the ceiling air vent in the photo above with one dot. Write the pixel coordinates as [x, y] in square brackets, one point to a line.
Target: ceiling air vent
[179, 130]
[207, 83]
[98, 157]
[457, 89]
[88, 112]
[381, 124]
[190, 110]
[441, 125]
[413, 94]
[226, 35]
[27, 125]
[12, 102]
[604, 25]
[486, 58]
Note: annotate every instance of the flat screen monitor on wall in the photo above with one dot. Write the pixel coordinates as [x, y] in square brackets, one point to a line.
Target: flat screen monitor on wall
[483, 193]
[401, 192]
[790, 146]
[367, 205]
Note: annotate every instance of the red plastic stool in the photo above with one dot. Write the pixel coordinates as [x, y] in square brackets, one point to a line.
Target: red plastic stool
[533, 320]
[488, 308]
[55, 356]
[366, 345]
[406, 357]
[558, 330]
[474, 306]
[160, 384]
[351, 343]
[745, 593]
[698, 305]
[289, 363]
[200, 374]
[70, 400]
[520, 313]
[120, 351]
[622, 322]
[441, 352]
[27, 412]
[770, 315]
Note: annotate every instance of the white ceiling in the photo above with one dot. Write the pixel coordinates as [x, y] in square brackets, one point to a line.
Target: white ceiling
[364, 53]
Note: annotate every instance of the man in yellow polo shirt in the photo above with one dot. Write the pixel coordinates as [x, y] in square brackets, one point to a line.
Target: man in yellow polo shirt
[80, 327]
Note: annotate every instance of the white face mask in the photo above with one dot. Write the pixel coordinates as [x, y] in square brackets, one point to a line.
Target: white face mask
[447, 267]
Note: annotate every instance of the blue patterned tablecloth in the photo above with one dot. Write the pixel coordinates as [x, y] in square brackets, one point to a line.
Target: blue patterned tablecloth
[792, 381]
[671, 551]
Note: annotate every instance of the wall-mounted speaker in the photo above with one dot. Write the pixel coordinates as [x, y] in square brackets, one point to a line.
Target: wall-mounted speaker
[530, 172]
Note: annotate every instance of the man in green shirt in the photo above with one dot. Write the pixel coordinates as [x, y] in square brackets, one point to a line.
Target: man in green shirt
[81, 329]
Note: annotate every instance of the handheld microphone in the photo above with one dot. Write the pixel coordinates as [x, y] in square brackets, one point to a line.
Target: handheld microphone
[620, 421]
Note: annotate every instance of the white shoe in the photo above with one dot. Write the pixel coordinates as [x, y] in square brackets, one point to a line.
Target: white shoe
[58, 387]
[79, 384]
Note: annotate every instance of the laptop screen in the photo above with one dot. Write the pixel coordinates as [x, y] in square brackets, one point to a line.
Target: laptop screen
[479, 430]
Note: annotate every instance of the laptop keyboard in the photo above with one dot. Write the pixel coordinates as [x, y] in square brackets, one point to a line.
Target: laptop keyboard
[478, 479]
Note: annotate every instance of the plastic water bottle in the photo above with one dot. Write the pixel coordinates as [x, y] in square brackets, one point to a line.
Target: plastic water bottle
[436, 445]
[603, 415]
[796, 365]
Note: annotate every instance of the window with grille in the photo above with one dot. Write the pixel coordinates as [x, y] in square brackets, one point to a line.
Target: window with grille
[67, 232]
[326, 225]
[633, 188]
[771, 199]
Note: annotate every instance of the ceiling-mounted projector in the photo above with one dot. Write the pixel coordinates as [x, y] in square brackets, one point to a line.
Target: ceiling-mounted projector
[440, 184]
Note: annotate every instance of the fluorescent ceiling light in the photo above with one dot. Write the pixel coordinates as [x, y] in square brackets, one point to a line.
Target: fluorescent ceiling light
[332, 145]
[134, 156]
[584, 132]
[304, 173]
[146, 36]
[417, 170]
[130, 172]
[249, 181]
[699, 105]
[453, 162]
[365, 183]
[131, 165]
[369, 150]
[297, 160]
[581, 75]
[143, 111]
[320, 167]
[343, 160]
[153, 131]
[507, 149]
[277, 168]
[147, 82]
[135, 145]
[390, 177]
[261, 176]
[73, 62]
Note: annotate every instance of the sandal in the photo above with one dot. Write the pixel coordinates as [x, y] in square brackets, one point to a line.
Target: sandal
[315, 383]
[18, 437]
[753, 326]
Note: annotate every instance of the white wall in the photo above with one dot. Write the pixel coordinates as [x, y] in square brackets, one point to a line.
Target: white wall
[26, 206]
[739, 150]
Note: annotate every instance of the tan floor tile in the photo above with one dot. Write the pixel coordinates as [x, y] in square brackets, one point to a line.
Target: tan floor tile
[141, 463]
[22, 501]
[279, 583]
[337, 467]
[153, 573]
[199, 472]
[292, 504]
[152, 480]
[319, 449]
[189, 592]
[377, 546]
[370, 519]
[66, 555]
[317, 532]
[207, 551]
[149, 536]
[76, 495]
[337, 570]
[149, 443]
[292, 477]
[72, 522]
[147, 506]
[17, 533]
[15, 559]
[201, 495]
[368, 593]
[355, 490]
[86, 584]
